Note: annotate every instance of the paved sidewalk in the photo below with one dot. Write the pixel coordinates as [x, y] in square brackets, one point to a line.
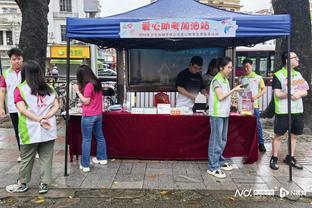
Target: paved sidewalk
[159, 175]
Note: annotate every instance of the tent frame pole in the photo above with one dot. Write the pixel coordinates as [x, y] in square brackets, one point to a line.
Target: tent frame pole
[67, 105]
[289, 102]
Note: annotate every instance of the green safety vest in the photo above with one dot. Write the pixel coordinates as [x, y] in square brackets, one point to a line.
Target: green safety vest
[219, 108]
[281, 105]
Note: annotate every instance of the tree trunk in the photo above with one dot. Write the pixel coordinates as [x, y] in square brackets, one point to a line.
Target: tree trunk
[34, 30]
[300, 44]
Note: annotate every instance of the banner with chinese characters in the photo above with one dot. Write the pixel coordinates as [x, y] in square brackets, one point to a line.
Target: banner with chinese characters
[178, 28]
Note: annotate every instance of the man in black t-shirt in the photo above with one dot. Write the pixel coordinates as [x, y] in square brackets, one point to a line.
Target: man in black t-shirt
[189, 83]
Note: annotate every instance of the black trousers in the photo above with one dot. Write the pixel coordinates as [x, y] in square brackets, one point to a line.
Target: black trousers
[14, 119]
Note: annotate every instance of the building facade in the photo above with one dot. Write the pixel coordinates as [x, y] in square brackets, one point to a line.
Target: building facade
[10, 28]
[232, 5]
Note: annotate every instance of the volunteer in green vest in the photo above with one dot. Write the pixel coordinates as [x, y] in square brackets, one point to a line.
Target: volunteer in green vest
[255, 84]
[299, 88]
[219, 112]
[8, 82]
[36, 103]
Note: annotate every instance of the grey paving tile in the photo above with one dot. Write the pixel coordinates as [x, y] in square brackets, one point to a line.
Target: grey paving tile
[189, 186]
[159, 165]
[125, 168]
[129, 177]
[304, 183]
[158, 171]
[127, 185]
[165, 182]
[285, 183]
[212, 183]
[98, 180]
[151, 181]
[178, 169]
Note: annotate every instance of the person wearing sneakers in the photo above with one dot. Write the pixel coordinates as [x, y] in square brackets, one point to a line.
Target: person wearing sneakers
[299, 89]
[8, 82]
[219, 112]
[255, 85]
[37, 103]
[89, 91]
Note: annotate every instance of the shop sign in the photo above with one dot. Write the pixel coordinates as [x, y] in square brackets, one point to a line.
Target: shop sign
[81, 52]
[178, 28]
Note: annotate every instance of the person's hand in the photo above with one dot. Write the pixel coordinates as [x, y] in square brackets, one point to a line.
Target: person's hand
[75, 88]
[193, 98]
[238, 88]
[295, 96]
[2, 113]
[44, 123]
[253, 99]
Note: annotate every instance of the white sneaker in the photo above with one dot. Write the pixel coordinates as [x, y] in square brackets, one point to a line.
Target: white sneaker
[226, 166]
[37, 156]
[19, 159]
[101, 162]
[85, 170]
[217, 173]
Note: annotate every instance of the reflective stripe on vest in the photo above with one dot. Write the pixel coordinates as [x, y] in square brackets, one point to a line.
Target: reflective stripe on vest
[219, 108]
[30, 131]
[281, 105]
[12, 79]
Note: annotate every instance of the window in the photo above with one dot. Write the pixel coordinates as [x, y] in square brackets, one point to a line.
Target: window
[63, 32]
[9, 10]
[1, 38]
[153, 70]
[9, 38]
[65, 6]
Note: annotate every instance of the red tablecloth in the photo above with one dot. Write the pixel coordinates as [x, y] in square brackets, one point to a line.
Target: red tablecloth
[167, 137]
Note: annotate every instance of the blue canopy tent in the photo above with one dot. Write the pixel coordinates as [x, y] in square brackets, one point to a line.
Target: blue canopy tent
[105, 31]
[251, 29]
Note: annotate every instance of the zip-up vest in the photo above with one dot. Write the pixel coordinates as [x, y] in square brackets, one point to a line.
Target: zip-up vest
[253, 80]
[219, 108]
[281, 105]
[30, 131]
[12, 79]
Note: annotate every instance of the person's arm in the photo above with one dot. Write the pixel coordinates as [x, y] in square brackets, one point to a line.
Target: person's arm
[299, 94]
[202, 87]
[204, 92]
[84, 100]
[52, 110]
[2, 98]
[2, 95]
[21, 107]
[262, 90]
[220, 95]
[184, 92]
[277, 88]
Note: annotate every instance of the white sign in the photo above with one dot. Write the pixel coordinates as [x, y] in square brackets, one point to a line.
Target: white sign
[163, 108]
[178, 28]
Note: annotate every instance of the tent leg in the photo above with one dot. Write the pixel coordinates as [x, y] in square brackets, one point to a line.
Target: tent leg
[67, 105]
[289, 103]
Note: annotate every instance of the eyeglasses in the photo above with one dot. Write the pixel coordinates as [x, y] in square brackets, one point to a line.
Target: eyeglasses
[295, 57]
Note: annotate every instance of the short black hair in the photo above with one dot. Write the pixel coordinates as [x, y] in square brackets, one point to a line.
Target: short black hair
[223, 61]
[247, 61]
[196, 60]
[15, 51]
[284, 57]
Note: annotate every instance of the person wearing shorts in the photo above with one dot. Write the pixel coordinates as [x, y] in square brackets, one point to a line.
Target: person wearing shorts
[299, 88]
